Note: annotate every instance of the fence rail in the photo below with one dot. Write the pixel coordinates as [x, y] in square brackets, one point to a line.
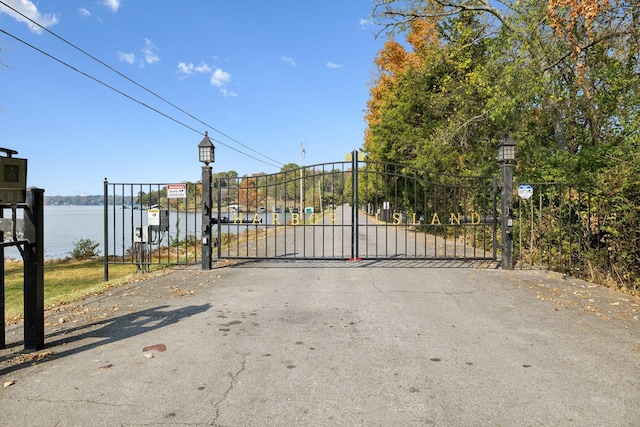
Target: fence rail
[562, 228]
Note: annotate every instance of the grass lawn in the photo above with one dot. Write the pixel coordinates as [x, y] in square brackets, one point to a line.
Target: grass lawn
[64, 281]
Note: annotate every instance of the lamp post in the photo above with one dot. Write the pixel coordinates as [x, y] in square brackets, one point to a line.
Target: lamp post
[506, 158]
[206, 154]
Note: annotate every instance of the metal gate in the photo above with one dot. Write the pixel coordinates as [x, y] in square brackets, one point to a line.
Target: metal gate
[148, 224]
[357, 209]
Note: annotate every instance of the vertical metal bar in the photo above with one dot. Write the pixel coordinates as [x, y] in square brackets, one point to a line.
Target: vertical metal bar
[219, 224]
[34, 271]
[426, 184]
[115, 242]
[354, 205]
[531, 251]
[495, 218]
[106, 229]
[3, 342]
[415, 213]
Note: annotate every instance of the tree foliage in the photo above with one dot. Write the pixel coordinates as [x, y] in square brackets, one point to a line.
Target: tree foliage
[561, 77]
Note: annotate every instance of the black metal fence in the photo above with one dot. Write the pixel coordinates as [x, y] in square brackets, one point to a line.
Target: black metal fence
[357, 210]
[289, 214]
[151, 224]
[426, 215]
[562, 228]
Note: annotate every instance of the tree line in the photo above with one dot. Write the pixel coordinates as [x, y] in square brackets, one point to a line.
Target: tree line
[560, 77]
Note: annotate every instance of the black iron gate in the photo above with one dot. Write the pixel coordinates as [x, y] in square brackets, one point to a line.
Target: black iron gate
[149, 224]
[357, 209]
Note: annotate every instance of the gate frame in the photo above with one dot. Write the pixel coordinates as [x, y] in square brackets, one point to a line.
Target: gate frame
[354, 160]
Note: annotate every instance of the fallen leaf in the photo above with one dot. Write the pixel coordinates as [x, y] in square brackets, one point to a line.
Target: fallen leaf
[102, 368]
[35, 357]
[155, 347]
[9, 383]
[615, 303]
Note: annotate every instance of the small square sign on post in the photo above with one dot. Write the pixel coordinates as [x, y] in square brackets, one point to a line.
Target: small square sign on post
[176, 191]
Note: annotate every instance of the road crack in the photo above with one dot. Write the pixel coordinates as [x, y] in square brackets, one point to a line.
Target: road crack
[232, 384]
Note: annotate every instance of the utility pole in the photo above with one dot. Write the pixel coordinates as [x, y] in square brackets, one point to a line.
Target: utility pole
[302, 153]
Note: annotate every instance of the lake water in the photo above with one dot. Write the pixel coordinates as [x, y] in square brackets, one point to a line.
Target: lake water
[65, 225]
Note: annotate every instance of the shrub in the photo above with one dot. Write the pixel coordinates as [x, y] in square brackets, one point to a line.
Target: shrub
[85, 249]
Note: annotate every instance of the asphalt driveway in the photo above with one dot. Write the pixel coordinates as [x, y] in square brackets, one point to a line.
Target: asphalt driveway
[333, 343]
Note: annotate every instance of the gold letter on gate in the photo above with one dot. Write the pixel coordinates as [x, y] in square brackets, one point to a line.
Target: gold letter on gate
[454, 218]
[475, 218]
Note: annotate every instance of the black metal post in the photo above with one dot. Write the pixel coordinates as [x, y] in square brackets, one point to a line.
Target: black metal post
[219, 232]
[106, 229]
[3, 342]
[206, 217]
[354, 206]
[34, 271]
[507, 219]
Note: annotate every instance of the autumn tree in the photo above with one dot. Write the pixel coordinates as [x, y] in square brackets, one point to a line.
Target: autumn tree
[561, 77]
[249, 195]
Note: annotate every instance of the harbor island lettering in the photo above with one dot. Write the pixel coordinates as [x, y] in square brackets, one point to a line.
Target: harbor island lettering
[473, 218]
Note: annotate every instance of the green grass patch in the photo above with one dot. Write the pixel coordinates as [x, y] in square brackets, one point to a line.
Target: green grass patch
[64, 281]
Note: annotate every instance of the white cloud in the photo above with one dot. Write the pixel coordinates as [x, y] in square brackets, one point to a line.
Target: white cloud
[84, 12]
[220, 78]
[30, 10]
[188, 69]
[288, 60]
[129, 58]
[333, 65]
[150, 52]
[365, 23]
[112, 4]
[227, 93]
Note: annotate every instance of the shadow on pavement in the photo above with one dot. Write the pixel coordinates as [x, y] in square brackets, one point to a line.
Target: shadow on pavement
[91, 335]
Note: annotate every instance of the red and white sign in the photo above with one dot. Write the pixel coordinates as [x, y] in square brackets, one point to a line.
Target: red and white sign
[176, 191]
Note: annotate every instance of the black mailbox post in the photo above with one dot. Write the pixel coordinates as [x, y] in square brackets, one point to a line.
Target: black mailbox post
[27, 235]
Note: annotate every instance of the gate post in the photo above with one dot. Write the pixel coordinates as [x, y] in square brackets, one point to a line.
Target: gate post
[34, 271]
[506, 157]
[206, 217]
[206, 154]
[106, 229]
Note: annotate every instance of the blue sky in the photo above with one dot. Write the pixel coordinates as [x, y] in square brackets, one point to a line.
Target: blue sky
[267, 74]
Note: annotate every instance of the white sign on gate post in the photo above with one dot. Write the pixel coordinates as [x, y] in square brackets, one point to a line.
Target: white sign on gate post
[176, 191]
[525, 191]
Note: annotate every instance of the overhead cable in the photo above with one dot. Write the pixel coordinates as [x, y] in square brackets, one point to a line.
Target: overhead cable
[129, 96]
[139, 85]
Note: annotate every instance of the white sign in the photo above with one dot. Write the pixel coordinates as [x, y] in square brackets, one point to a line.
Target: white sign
[176, 191]
[525, 191]
[154, 216]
